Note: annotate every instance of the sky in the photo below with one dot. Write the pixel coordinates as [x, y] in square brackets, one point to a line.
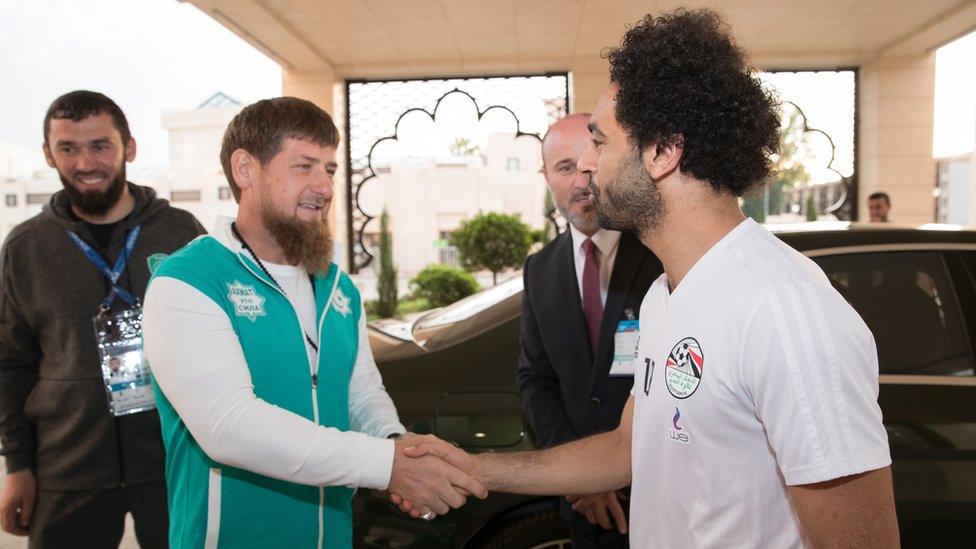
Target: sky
[955, 98]
[147, 55]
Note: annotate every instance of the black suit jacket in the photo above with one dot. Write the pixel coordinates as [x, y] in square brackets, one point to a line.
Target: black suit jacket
[567, 392]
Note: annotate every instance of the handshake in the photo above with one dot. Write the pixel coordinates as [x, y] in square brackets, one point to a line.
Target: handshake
[430, 476]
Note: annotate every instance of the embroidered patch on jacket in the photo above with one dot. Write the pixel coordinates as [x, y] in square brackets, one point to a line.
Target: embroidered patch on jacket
[247, 302]
[340, 302]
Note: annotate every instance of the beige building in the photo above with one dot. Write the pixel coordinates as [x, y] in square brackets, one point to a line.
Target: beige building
[26, 183]
[194, 179]
[427, 198]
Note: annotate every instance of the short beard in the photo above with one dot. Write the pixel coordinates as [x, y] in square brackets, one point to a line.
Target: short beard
[632, 203]
[95, 203]
[306, 243]
[586, 223]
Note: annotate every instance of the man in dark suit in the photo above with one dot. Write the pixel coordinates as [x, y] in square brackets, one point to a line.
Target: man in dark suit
[582, 296]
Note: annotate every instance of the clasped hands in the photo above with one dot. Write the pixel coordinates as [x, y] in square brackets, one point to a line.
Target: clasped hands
[430, 476]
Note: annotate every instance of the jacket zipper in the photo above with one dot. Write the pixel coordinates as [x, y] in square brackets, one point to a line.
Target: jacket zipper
[314, 368]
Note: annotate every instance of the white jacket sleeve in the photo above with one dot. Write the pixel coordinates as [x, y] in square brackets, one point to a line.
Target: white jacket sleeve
[371, 410]
[198, 363]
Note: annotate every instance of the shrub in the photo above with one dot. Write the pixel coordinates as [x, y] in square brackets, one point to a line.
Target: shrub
[442, 285]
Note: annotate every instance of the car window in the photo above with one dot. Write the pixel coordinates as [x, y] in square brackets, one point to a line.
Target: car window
[910, 306]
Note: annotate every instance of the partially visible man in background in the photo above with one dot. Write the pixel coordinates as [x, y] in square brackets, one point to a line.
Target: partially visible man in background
[82, 452]
[579, 328]
[879, 204]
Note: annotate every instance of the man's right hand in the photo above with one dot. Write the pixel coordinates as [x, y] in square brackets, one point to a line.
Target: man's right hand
[603, 509]
[17, 502]
[430, 482]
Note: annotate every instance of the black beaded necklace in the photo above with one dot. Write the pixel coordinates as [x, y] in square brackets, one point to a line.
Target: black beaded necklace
[311, 279]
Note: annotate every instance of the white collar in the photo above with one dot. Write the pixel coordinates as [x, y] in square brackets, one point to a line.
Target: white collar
[606, 241]
[225, 236]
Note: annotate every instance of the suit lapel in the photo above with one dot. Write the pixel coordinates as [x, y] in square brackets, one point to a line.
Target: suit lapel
[566, 269]
[630, 255]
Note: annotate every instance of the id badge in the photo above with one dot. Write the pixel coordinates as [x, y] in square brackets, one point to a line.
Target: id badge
[625, 348]
[128, 381]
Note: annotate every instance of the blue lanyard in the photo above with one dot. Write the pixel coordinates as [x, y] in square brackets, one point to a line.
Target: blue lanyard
[112, 274]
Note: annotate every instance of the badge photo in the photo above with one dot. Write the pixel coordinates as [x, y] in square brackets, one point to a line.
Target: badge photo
[684, 368]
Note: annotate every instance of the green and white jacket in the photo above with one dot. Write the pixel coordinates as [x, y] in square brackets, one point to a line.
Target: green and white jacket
[265, 439]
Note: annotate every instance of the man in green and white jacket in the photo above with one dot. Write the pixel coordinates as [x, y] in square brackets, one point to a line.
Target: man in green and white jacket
[271, 405]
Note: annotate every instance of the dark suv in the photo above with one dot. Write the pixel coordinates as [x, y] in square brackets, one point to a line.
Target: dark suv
[452, 373]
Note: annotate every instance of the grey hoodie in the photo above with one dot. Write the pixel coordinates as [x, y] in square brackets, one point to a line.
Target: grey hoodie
[54, 414]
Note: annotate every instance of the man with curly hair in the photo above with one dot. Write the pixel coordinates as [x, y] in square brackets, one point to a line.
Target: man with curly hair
[753, 421]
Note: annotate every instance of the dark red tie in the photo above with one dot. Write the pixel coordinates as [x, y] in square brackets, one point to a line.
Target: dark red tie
[592, 304]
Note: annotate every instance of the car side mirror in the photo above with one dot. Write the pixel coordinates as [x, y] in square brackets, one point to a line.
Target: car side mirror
[479, 419]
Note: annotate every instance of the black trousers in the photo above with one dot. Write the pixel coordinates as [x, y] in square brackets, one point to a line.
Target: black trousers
[591, 536]
[95, 519]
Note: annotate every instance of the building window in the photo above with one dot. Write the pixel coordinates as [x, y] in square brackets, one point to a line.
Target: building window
[185, 196]
[449, 255]
[11, 200]
[513, 164]
[224, 193]
[38, 198]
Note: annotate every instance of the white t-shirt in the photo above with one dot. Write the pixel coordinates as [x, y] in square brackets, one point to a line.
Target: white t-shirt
[297, 287]
[761, 377]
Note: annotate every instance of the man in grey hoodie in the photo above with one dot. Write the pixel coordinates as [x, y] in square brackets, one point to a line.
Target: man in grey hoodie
[75, 469]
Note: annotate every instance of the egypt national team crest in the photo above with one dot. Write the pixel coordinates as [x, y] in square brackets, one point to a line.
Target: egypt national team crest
[684, 368]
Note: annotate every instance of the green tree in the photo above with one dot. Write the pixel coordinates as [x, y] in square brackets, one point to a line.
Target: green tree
[442, 284]
[462, 146]
[788, 172]
[386, 284]
[811, 206]
[492, 241]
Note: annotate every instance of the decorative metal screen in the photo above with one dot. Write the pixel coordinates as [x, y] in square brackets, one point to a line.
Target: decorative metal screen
[815, 171]
[375, 109]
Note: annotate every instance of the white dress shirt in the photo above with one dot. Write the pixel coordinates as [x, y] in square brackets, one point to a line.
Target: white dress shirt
[606, 246]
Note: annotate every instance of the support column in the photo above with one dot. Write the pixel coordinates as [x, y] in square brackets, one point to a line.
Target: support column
[328, 92]
[971, 220]
[589, 78]
[896, 110]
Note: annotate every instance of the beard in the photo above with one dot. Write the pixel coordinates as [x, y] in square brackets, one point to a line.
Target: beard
[95, 203]
[306, 243]
[630, 201]
[585, 222]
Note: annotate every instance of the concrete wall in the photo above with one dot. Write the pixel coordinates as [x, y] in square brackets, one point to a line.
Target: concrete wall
[896, 108]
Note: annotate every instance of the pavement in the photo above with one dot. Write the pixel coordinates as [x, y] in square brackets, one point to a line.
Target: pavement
[8, 541]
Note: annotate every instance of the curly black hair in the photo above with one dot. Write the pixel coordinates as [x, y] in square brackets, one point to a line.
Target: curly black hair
[683, 80]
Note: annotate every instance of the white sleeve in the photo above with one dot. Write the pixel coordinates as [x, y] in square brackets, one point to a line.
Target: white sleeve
[371, 410]
[199, 365]
[810, 365]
